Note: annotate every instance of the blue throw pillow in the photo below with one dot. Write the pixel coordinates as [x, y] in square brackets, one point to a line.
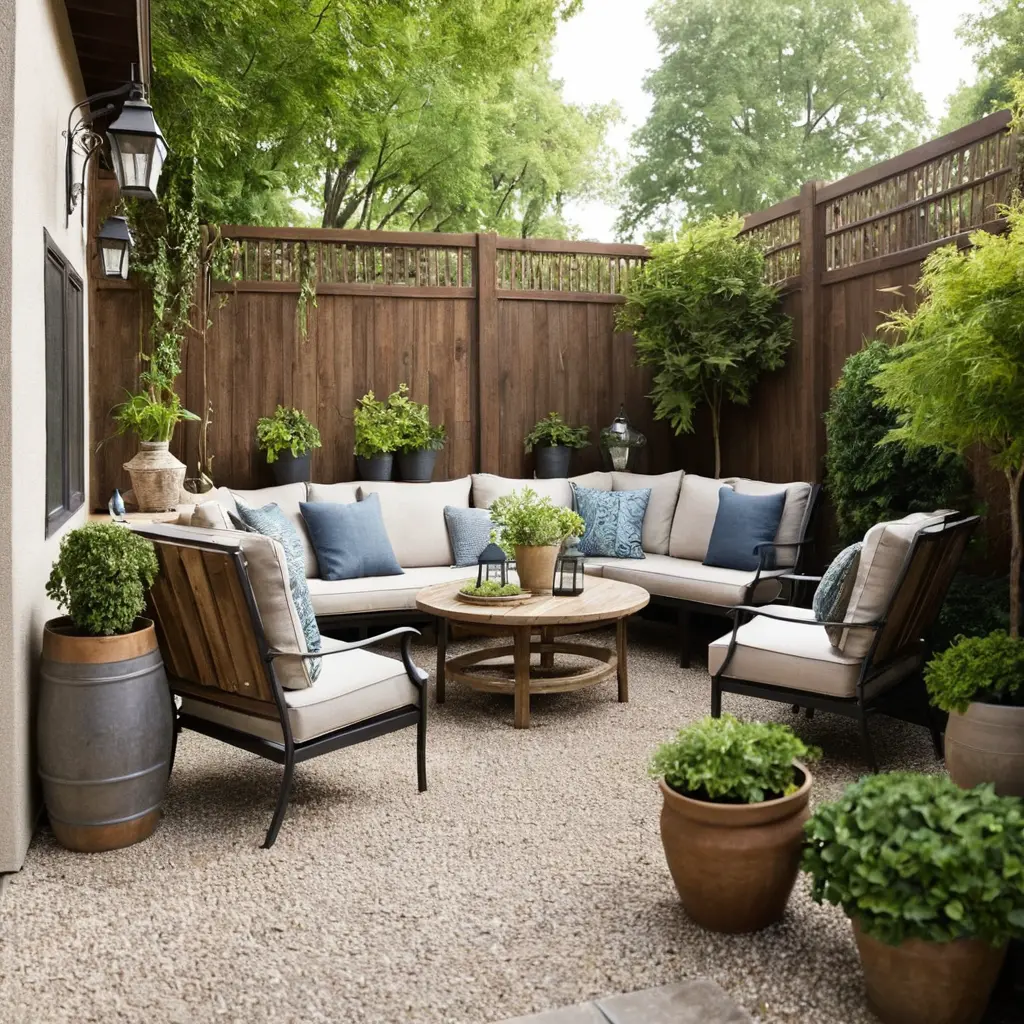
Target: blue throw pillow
[272, 522]
[614, 521]
[350, 540]
[743, 521]
[834, 590]
[469, 530]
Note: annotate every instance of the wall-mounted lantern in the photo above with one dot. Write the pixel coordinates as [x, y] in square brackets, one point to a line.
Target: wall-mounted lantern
[115, 242]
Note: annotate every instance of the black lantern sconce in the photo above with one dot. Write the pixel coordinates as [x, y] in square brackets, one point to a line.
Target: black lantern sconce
[492, 565]
[568, 581]
[115, 242]
[621, 443]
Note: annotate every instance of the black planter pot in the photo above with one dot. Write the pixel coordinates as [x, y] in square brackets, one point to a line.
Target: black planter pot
[417, 467]
[552, 462]
[289, 469]
[376, 468]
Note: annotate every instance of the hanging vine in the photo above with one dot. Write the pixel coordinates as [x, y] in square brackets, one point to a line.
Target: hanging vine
[307, 286]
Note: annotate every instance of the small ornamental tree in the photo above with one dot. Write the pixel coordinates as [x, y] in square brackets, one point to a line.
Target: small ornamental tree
[959, 378]
[704, 319]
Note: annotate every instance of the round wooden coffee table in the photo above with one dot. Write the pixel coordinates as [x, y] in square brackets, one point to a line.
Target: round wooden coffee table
[602, 602]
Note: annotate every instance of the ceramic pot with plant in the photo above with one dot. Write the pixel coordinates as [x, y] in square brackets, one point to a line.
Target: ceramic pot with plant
[735, 802]
[552, 441]
[418, 441]
[105, 719]
[930, 876]
[376, 437]
[288, 437]
[979, 680]
[151, 415]
[531, 530]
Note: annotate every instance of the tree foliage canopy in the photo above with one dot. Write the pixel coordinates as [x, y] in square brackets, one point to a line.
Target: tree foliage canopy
[754, 97]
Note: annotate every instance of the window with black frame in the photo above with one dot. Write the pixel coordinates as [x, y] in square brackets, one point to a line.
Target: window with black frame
[65, 410]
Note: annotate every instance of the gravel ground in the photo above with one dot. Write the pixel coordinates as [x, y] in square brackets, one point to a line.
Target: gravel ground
[529, 876]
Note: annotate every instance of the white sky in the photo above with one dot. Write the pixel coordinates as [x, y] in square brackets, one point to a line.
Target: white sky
[603, 53]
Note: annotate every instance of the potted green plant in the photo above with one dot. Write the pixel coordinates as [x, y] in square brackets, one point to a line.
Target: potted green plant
[735, 802]
[552, 440]
[288, 437]
[376, 437]
[979, 680]
[105, 714]
[931, 878]
[532, 529]
[418, 441]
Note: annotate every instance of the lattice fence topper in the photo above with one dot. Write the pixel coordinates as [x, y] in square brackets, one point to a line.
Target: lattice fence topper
[593, 273]
[781, 241]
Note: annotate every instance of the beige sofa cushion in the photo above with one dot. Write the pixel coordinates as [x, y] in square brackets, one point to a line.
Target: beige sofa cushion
[487, 487]
[352, 687]
[797, 495]
[414, 518]
[661, 507]
[886, 546]
[222, 495]
[694, 518]
[339, 494]
[688, 580]
[798, 656]
[211, 515]
[381, 593]
[596, 481]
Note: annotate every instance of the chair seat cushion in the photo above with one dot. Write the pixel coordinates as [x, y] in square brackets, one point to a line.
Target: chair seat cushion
[380, 593]
[797, 655]
[686, 579]
[352, 687]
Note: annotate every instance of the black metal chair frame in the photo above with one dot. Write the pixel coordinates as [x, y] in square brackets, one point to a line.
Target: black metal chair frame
[291, 752]
[860, 706]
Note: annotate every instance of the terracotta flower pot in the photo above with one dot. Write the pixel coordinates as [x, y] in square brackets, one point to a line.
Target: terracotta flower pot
[986, 744]
[536, 567]
[157, 476]
[734, 864]
[920, 982]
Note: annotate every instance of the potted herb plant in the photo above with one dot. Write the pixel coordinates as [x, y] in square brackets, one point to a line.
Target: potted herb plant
[735, 802]
[553, 440]
[105, 713]
[980, 682]
[930, 876]
[418, 441]
[532, 529]
[288, 437]
[376, 437]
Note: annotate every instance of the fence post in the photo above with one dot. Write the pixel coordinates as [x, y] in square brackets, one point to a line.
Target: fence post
[813, 364]
[488, 392]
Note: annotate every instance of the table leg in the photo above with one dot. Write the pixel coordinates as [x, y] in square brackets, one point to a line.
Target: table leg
[547, 658]
[442, 652]
[521, 661]
[620, 655]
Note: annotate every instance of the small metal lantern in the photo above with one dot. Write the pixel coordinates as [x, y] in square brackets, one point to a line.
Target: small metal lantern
[492, 565]
[115, 242]
[568, 581]
[621, 443]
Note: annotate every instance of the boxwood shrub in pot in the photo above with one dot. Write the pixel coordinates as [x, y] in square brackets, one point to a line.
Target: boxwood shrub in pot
[735, 802]
[932, 878]
[376, 437]
[105, 713]
[980, 682]
[552, 441]
[288, 437]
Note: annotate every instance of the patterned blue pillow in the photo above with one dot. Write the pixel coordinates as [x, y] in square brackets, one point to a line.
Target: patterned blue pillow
[614, 521]
[833, 593]
[469, 531]
[272, 522]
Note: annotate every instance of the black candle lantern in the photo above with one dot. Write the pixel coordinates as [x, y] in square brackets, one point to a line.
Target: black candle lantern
[492, 565]
[568, 581]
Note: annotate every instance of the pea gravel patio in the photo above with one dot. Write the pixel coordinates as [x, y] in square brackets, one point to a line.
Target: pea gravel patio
[529, 876]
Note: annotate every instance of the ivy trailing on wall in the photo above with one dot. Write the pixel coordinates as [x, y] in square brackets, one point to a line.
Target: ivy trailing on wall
[307, 285]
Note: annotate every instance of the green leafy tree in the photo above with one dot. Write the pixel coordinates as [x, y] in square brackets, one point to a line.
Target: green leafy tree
[959, 378]
[754, 97]
[703, 318]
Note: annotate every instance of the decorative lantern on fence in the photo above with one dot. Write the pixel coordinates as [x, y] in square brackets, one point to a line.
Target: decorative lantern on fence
[115, 243]
[568, 581]
[621, 443]
[492, 565]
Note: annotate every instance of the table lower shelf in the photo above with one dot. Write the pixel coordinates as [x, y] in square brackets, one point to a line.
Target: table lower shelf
[544, 678]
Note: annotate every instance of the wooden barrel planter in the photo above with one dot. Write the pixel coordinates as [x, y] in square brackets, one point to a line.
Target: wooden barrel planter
[105, 730]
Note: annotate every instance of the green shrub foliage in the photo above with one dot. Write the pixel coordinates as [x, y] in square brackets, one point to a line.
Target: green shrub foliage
[491, 588]
[528, 520]
[916, 857]
[728, 761]
[412, 423]
[287, 430]
[983, 668]
[101, 577]
[869, 482]
[552, 431]
[974, 606]
[375, 427]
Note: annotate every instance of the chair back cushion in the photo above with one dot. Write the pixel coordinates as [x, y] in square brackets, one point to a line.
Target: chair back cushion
[469, 532]
[350, 540]
[743, 522]
[833, 593]
[661, 508]
[614, 521]
[694, 518]
[791, 526]
[414, 517]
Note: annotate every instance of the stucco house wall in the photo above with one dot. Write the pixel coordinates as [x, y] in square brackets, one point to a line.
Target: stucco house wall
[39, 83]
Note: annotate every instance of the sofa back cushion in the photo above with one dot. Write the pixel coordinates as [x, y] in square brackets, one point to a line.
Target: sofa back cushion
[694, 518]
[487, 487]
[339, 494]
[414, 518]
[664, 488]
[211, 515]
[596, 481]
[798, 494]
